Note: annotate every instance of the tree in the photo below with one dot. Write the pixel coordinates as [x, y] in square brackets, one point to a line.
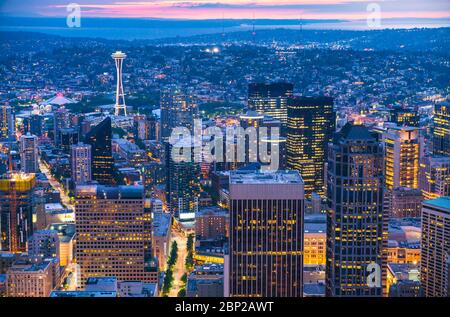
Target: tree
[168, 281]
[189, 263]
[184, 278]
[190, 242]
[182, 292]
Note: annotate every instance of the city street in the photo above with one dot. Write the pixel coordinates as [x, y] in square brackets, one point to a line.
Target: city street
[179, 268]
[65, 199]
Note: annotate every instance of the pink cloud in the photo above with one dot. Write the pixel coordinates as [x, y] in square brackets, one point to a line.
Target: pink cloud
[245, 9]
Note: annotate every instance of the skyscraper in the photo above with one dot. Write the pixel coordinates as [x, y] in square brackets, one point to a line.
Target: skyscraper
[7, 128]
[113, 233]
[16, 224]
[435, 177]
[102, 161]
[273, 141]
[435, 247]
[68, 137]
[441, 128]
[356, 221]
[61, 120]
[80, 157]
[271, 99]
[148, 128]
[404, 117]
[311, 123]
[266, 234]
[402, 151]
[33, 125]
[178, 109]
[182, 185]
[29, 153]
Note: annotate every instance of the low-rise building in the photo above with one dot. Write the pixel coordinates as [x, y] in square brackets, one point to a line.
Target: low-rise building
[161, 228]
[66, 234]
[315, 239]
[211, 223]
[27, 279]
[206, 281]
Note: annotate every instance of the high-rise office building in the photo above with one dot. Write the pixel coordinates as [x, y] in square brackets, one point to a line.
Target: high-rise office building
[435, 247]
[310, 125]
[265, 127]
[182, 185]
[271, 99]
[16, 224]
[102, 161]
[178, 109]
[402, 153]
[435, 177]
[61, 120]
[441, 128]
[356, 221]
[80, 157]
[44, 244]
[7, 128]
[404, 117]
[148, 128]
[33, 125]
[29, 153]
[68, 137]
[266, 234]
[113, 233]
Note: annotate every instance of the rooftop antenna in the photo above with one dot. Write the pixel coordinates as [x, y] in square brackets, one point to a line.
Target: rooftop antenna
[223, 24]
[301, 27]
[253, 25]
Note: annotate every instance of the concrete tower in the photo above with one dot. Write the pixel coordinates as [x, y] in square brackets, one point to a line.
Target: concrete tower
[120, 95]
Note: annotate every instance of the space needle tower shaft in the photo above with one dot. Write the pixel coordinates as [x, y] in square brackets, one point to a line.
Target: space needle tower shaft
[120, 95]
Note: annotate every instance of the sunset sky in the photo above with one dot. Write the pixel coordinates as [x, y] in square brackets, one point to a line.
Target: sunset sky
[231, 9]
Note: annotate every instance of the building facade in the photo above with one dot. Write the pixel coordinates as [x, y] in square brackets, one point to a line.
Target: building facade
[182, 185]
[310, 125]
[266, 234]
[435, 177]
[16, 191]
[270, 99]
[402, 154]
[81, 163]
[178, 109]
[113, 233]
[435, 246]
[441, 129]
[7, 129]
[356, 221]
[102, 162]
[29, 153]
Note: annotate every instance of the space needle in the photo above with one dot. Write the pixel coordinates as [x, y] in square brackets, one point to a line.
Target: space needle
[118, 57]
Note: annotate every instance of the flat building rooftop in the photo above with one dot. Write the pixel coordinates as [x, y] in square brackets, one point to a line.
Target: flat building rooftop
[255, 177]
